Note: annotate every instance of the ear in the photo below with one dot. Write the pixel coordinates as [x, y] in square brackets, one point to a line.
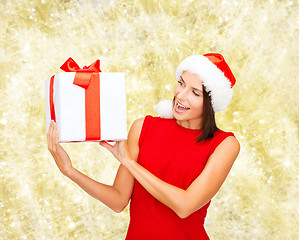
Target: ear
[164, 109]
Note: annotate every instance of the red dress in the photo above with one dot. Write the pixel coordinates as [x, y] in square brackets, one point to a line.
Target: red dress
[170, 152]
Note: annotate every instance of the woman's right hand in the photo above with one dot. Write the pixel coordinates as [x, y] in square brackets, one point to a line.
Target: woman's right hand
[59, 154]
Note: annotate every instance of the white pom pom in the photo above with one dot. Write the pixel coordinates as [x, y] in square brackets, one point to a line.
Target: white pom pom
[164, 109]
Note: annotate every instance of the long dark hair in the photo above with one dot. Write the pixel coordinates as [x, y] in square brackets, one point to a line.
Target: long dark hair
[209, 126]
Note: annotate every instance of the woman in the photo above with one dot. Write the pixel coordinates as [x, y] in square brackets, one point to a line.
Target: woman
[179, 164]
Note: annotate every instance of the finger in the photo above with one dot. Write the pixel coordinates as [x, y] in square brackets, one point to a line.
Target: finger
[55, 134]
[49, 129]
[47, 133]
[106, 145]
[54, 137]
[57, 137]
[56, 143]
[50, 135]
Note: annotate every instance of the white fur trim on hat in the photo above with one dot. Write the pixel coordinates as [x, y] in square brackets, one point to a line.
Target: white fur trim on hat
[213, 79]
[164, 109]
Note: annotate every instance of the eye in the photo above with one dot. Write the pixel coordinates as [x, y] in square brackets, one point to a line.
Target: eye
[196, 94]
[180, 82]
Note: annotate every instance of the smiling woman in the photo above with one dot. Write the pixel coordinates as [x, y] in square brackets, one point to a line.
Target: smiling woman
[188, 101]
[167, 173]
[199, 79]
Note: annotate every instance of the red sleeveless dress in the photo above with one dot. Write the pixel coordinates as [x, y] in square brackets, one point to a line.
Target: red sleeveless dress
[170, 152]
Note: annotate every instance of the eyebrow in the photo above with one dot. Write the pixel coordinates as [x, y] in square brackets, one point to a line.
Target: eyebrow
[192, 87]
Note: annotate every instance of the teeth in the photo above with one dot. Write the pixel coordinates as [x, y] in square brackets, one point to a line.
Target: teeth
[180, 105]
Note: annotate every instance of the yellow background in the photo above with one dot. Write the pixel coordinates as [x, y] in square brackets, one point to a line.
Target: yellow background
[147, 40]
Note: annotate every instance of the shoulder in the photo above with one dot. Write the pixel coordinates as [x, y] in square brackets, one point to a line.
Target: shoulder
[228, 143]
[221, 133]
[224, 140]
[139, 127]
[224, 154]
[136, 128]
[133, 137]
[232, 142]
[137, 124]
[147, 120]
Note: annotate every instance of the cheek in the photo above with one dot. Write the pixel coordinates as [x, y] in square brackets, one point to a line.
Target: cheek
[197, 103]
[176, 90]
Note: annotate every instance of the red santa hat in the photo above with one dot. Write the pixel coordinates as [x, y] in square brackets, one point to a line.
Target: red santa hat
[216, 76]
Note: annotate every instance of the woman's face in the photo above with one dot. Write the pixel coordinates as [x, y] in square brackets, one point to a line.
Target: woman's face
[188, 101]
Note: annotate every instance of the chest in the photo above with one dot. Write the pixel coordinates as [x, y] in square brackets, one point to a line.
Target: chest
[177, 161]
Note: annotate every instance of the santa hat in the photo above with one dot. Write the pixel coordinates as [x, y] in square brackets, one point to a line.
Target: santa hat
[216, 77]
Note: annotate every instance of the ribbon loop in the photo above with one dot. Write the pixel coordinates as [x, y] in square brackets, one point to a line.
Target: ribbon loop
[70, 66]
[94, 67]
[83, 75]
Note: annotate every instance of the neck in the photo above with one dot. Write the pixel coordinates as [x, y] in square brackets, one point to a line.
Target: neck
[192, 124]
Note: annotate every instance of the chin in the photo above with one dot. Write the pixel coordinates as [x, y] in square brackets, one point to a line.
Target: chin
[180, 116]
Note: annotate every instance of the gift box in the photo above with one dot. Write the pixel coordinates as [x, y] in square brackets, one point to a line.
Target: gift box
[87, 104]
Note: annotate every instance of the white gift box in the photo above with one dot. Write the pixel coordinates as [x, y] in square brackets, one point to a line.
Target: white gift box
[69, 102]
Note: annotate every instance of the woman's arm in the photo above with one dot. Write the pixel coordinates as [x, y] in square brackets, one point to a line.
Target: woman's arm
[116, 196]
[203, 188]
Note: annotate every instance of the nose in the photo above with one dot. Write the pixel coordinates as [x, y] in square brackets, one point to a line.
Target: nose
[182, 95]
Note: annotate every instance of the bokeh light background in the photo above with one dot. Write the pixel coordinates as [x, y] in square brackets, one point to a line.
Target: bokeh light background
[147, 40]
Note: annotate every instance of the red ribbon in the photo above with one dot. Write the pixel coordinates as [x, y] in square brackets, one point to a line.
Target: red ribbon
[84, 75]
[87, 78]
[52, 110]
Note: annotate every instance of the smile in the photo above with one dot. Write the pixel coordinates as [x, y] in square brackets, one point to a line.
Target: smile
[180, 108]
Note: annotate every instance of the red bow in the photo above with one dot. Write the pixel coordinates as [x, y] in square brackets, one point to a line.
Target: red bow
[83, 75]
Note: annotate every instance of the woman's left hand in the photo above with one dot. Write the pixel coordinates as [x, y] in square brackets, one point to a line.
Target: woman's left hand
[120, 150]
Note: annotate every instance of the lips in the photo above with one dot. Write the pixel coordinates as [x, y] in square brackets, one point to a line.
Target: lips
[180, 108]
